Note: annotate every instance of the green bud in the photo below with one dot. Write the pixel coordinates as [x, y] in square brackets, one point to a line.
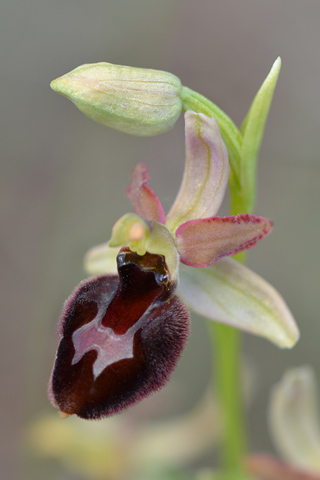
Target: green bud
[138, 101]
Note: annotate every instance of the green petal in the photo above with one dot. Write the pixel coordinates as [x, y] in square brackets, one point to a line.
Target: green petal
[294, 420]
[231, 293]
[101, 259]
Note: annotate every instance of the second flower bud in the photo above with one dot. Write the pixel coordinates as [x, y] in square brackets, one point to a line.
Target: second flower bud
[138, 101]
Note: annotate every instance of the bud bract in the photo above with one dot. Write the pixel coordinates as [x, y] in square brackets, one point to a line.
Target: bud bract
[138, 101]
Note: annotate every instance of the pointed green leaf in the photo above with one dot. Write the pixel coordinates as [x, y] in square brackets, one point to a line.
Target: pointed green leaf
[252, 130]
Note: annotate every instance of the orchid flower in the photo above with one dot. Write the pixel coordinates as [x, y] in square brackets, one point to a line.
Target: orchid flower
[122, 333]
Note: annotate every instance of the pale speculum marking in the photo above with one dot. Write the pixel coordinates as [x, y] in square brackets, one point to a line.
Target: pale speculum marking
[110, 347]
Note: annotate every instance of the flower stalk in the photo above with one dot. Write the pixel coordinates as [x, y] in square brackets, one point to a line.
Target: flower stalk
[226, 347]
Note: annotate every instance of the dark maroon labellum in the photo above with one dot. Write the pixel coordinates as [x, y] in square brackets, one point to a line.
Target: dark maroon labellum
[120, 338]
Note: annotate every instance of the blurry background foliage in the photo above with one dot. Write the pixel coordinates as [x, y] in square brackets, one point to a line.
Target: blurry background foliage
[63, 179]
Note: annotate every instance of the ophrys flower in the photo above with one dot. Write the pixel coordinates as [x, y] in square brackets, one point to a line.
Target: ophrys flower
[121, 335]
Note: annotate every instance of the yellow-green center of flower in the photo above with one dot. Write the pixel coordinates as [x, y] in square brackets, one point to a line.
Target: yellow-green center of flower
[143, 236]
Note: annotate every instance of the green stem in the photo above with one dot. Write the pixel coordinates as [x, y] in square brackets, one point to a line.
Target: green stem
[227, 380]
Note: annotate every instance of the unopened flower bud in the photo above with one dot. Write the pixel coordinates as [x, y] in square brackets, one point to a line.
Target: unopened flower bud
[138, 101]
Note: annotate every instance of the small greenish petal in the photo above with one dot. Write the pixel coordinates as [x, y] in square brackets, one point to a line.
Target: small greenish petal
[252, 130]
[294, 420]
[230, 293]
[101, 260]
[138, 101]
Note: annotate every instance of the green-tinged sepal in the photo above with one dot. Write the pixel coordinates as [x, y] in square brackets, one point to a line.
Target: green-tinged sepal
[230, 293]
[138, 101]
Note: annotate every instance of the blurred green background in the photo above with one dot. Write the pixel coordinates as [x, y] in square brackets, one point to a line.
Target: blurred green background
[63, 178]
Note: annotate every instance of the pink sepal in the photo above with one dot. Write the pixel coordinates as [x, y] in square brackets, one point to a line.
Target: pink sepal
[204, 241]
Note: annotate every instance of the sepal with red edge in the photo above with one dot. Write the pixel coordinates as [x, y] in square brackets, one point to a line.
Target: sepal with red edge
[204, 241]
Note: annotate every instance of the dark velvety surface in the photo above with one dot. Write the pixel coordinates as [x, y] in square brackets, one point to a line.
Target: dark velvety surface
[115, 304]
